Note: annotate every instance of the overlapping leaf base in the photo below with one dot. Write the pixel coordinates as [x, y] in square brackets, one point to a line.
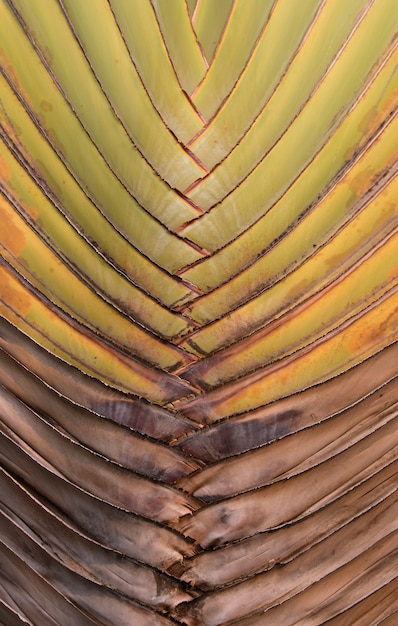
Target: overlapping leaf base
[198, 298]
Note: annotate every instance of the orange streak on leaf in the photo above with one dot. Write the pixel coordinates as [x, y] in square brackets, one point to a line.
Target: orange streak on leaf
[11, 236]
[17, 299]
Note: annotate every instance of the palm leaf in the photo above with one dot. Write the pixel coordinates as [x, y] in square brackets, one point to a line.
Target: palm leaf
[198, 301]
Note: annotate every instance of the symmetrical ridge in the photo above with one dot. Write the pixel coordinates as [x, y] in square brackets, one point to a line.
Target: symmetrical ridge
[198, 312]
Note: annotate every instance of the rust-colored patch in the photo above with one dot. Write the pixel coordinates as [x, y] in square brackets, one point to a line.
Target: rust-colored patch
[46, 106]
[376, 116]
[336, 260]
[368, 121]
[10, 71]
[11, 236]
[373, 334]
[360, 183]
[33, 212]
[5, 170]
[299, 289]
[13, 294]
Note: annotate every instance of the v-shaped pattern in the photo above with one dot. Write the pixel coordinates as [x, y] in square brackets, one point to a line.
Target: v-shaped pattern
[207, 188]
[198, 309]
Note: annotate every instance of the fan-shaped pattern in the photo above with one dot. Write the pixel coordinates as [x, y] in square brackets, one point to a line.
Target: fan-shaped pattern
[198, 312]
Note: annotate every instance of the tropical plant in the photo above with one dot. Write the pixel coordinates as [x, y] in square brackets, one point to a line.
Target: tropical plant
[198, 300]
